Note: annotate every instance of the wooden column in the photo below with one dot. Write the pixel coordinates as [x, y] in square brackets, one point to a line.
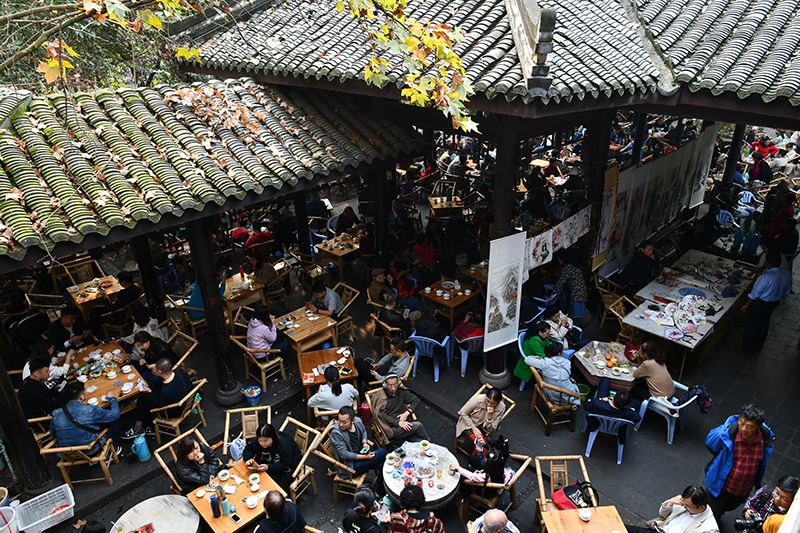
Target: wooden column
[152, 290]
[734, 152]
[639, 134]
[384, 191]
[594, 153]
[301, 217]
[204, 263]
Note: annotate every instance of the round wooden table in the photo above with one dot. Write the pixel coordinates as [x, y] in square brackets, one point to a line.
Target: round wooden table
[443, 490]
[167, 513]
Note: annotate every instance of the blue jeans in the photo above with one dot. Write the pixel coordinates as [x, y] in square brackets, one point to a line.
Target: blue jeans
[376, 463]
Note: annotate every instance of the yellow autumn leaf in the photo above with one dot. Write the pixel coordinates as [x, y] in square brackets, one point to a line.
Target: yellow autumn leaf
[340, 6]
[51, 74]
[151, 19]
[69, 49]
[188, 54]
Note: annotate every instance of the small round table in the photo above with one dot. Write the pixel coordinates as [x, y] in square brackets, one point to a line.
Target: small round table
[438, 457]
[167, 513]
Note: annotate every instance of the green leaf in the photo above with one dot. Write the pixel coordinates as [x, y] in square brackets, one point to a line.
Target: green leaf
[117, 11]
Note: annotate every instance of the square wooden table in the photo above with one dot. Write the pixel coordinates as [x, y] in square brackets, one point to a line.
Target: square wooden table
[310, 360]
[85, 300]
[224, 524]
[449, 307]
[440, 207]
[584, 359]
[235, 297]
[605, 519]
[309, 332]
[337, 250]
[479, 272]
[103, 383]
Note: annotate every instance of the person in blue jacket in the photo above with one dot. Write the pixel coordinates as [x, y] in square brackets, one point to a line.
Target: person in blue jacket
[741, 447]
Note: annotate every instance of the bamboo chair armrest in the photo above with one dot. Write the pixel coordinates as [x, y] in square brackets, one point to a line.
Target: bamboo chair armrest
[546, 385]
[197, 386]
[333, 461]
[51, 448]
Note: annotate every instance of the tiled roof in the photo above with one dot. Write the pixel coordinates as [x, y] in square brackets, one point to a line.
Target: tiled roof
[596, 49]
[741, 46]
[110, 159]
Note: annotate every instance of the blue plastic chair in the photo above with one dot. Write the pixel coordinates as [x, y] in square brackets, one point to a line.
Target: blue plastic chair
[427, 347]
[608, 425]
[468, 346]
[332, 225]
[747, 197]
[520, 341]
[670, 409]
[726, 220]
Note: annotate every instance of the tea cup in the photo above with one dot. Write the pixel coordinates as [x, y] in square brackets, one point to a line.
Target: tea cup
[585, 515]
[112, 374]
[83, 378]
[224, 475]
[92, 401]
[254, 479]
[126, 369]
[251, 502]
[254, 487]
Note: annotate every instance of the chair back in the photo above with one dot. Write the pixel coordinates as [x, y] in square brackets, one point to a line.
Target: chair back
[426, 346]
[520, 341]
[619, 308]
[746, 197]
[610, 425]
[348, 295]
[186, 404]
[73, 454]
[444, 188]
[725, 218]
[171, 447]
[182, 344]
[471, 344]
[305, 436]
[559, 475]
[250, 421]
[332, 224]
[49, 303]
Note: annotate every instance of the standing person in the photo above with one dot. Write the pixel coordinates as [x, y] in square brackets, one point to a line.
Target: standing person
[393, 408]
[688, 512]
[772, 286]
[350, 444]
[770, 501]
[573, 281]
[280, 515]
[742, 446]
[333, 395]
[652, 377]
[273, 452]
[411, 518]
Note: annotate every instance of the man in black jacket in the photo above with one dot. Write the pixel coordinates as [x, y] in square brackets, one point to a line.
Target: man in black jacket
[394, 316]
[36, 398]
[69, 331]
[167, 387]
[620, 405]
[280, 515]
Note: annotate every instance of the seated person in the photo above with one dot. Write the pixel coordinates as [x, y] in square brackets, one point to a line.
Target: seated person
[746, 237]
[280, 515]
[652, 376]
[347, 219]
[688, 512]
[429, 327]
[333, 394]
[129, 293]
[262, 334]
[142, 321]
[560, 325]
[470, 326]
[378, 288]
[619, 405]
[35, 397]
[493, 521]
[152, 349]
[411, 518]
[396, 317]
[396, 362]
[257, 237]
[536, 340]
[493, 469]
[196, 296]
[325, 301]
[196, 465]
[78, 423]
[57, 377]
[350, 444]
[165, 388]
[263, 271]
[480, 416]
[274, 452]
[694, 239]
[393, 408]
[642, 269]
[771, 500]
[69, 331]
[555, 371]
[359, 518]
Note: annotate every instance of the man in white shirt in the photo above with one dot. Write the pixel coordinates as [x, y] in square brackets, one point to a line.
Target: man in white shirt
[688, 512]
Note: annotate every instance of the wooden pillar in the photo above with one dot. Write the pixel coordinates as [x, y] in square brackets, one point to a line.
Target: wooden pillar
[734, 153]
[384, 191]
[28, 464]
[204, 263]
[558, 142]
[639, 134]
[595, 153]
[301, 218]
[152, 290]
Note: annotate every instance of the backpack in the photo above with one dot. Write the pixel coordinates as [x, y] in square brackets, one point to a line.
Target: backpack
[575, 496]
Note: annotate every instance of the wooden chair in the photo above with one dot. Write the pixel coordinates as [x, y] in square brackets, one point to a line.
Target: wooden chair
[119, 322]
[404, 378]
[372, 303]
[618, 309]
[250, 423]
[378, 434]
[307, 439]
[170, 447]
[50, 304]
[70, 456]
[276, 294]
[40, 427]
[387, 332]
[183, 345]
[559, 478]
[308, 270]
[551, 413]
[178, 303]
[171, 425]
[348, 295]
[323, 416]
[259, 370]
[80, 269]
[485, 496]
[510, 406]
[344, 485]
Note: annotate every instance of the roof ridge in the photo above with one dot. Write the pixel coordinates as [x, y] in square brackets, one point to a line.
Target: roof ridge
[667, 80]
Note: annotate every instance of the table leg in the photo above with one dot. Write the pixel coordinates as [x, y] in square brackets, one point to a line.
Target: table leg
[683, 363]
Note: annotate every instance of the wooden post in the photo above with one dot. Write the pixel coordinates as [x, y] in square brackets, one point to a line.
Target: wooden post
[301, 217]
[594, 153]
[384, 191]
[152, 290]
[734, 153]
[204, 263]
[27, 462]
[639, 134]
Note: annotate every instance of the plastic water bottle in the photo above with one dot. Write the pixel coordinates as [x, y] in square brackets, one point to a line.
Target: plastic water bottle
[215, 506]
[225, 507]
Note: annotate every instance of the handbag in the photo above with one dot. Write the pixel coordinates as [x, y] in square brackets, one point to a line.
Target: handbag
[578, 495]
[236, 448]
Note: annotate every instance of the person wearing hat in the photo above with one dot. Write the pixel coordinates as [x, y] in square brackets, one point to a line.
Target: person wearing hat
[378, 289]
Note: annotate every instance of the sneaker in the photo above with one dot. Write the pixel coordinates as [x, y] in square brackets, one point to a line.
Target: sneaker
[132, 433]
[149, 431]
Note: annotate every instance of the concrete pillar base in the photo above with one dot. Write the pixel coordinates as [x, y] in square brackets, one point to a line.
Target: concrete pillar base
[501, 380]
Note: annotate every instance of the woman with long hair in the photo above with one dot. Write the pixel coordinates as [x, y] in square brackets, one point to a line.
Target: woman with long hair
[196, 464]
[262, 333]
[358, 518]
[273, 452]
[494, 470]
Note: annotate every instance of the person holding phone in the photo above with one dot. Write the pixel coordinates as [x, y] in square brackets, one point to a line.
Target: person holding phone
[350, 445]
[273, 452]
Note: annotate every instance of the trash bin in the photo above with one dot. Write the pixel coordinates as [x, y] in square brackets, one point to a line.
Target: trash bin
[253, 395]
[8, 520]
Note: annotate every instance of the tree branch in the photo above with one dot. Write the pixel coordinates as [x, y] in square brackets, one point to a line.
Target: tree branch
[22, 52]
[11, 17]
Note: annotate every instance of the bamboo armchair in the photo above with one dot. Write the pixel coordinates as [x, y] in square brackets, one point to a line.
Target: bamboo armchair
[559, 478]
[118, 322]
[346, 485]
[182, 344]
[344, 322]
[551, 413]
[70, 456]
[378, 434]
[510, 406]
[170, 447]
[250, 423]
[51, 304]
[171, 426]
[178, 303]
[404, 378]
[323, 417]
[485, 496]
[266, 368]
[308, 270]
[40, 427]
[387, 331]
[307, 439]
[618, 309]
